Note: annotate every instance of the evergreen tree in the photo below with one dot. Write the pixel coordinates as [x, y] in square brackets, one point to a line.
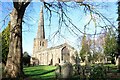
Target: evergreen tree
[5, 43]
[110, 46]
[26, 59]
[85, 50]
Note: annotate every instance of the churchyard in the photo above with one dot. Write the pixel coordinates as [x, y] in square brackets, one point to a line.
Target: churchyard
[67, 40]
[90, 72]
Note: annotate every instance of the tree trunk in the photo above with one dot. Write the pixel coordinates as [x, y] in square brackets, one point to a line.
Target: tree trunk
[118, 55]
[14, 68]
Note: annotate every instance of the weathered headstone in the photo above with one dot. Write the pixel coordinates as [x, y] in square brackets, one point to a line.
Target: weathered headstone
[58, 71]
[86, 59]
[64, 72]
[119, 62]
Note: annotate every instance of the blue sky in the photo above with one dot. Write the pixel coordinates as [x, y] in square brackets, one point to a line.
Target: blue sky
[78, 17]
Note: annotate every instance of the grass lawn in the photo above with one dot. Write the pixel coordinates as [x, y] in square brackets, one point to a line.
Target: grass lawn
[40, 72]
[47, 73]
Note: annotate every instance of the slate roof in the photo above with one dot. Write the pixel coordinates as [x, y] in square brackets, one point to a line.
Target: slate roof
[57, 47]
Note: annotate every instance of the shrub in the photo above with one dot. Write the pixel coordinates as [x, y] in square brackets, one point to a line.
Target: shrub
[98, 72]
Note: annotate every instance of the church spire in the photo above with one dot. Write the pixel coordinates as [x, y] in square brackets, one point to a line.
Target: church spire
[40, 32]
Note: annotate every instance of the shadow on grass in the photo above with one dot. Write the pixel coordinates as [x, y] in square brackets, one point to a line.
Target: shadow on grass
[32, 71]
[40, 72]
[46, 72]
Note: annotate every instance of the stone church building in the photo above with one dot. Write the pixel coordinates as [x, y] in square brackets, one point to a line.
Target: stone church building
[53, 55]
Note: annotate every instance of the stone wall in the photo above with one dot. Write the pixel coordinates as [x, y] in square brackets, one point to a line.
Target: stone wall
[52, 56]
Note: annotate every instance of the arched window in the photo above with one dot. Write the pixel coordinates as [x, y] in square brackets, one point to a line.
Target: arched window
[58, 60]
[43, 44]
[40, 43]
[65, 55]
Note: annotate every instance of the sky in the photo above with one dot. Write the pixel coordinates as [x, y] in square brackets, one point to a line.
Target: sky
[77, 15]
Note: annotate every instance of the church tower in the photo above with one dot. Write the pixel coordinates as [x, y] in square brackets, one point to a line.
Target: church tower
[40, 42]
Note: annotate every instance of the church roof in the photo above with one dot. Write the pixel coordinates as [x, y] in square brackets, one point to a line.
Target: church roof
[62, 45]
[59, 46]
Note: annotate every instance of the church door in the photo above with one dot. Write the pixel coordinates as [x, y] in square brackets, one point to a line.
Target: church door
[65, 55]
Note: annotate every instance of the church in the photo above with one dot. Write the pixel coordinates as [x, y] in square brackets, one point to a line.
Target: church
[42, 55]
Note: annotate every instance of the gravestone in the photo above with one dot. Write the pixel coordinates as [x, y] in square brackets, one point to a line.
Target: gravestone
[86, 59]
[64, 71]
[118, 64]
[58, 71]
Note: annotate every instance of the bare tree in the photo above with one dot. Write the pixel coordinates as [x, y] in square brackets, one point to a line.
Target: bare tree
[13, 68]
